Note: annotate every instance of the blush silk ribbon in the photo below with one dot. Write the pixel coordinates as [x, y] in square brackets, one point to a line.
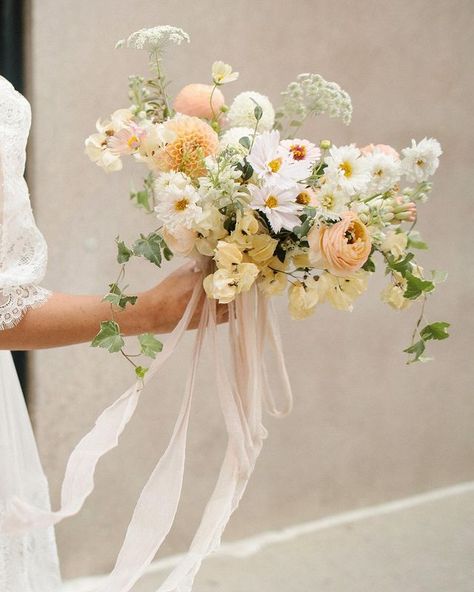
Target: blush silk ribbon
[244, 390]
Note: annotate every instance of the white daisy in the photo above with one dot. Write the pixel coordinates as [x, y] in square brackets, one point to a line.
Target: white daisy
[242, 111]
[330, 200]
[347, 169]
[384, 171]
[177, 206]
[302, 151]
[421, 160]
[278, 204]
[271, 161]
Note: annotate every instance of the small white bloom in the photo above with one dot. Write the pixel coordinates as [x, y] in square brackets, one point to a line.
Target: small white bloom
[155, 38]
[232, 136]
[242, 111]
[269, 160]
[347, 169]
[177, 206]
[421, 160]
[278, 204]
[394, 243]
[222, 73]
[393, 293]
[330, 200]
[96, 148]
[384, 171]
[302, 150]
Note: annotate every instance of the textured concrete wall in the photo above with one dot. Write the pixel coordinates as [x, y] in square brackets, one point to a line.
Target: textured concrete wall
[365, 428]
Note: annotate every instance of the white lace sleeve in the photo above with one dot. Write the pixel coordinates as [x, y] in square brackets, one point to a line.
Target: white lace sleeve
[23, 251]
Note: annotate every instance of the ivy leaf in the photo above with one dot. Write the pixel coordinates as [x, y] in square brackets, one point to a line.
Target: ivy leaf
[438, 276]
[436, 331]
[118, 298]
[415, 241]
[140, 371]
[417, 349]
[109, 337]
[150, 346]
[123, 252]
[403, 266]
[141, 199]
[369, 265]
[416, 286]
[149, 247]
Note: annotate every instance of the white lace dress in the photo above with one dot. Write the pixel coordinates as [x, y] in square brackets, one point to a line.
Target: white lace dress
[28, 563]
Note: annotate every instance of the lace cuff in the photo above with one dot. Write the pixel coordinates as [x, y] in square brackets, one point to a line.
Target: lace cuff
[14, 302]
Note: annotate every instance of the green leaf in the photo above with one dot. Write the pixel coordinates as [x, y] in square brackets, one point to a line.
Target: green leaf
[403, 266]
[141, 199]
[369, 265]
[435, 331]
[150, 346]
[417, 350]
[123, 252]
[113, 299]
[258, 112]
[118, 298]
[149, 247]
[140, 371]
[415, 241]
[416, 286]
[109, 337]
[245, 142]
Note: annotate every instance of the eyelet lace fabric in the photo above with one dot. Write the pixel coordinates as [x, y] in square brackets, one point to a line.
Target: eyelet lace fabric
[23, 251]
[28, 562]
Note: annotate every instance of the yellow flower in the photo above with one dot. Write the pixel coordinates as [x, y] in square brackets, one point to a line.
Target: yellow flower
[262, 248]
[222, 73]
[395, 243]
[246, 225]
[302, 299]
[341, 292]
[228, 256]
[272, 280]
[301, 259]
[211, 230]
[392, 294]
[225, 284]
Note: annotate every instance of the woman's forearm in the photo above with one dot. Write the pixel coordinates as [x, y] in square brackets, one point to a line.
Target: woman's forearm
[66, 319]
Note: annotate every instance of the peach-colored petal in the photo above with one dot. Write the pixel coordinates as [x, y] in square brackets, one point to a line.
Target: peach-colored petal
[384, 148]
[195, 100]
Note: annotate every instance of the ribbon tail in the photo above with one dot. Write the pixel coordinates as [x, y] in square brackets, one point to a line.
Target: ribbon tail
[78, 482]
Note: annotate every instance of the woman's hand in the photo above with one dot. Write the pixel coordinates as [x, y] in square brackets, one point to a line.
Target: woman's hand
[167, 302]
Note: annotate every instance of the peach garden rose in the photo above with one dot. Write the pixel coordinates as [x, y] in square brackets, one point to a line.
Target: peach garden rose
[342, 248]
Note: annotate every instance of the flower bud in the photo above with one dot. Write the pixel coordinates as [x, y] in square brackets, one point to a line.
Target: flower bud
[325, 144]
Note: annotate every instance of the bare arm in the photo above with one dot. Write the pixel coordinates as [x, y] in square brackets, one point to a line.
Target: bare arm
[66, 319]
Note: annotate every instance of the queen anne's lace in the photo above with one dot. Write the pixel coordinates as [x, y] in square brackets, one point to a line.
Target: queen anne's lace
[23, 252]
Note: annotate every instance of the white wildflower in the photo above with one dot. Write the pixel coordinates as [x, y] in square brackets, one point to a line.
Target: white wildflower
[347, 169]
[278, 204]
[330, 200]
[242, 111]
[222, 73]
[384, 171]
[155, 38]
[178, 206]
[421, 160]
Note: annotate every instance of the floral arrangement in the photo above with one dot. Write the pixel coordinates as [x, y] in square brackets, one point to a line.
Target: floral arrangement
[235, 184]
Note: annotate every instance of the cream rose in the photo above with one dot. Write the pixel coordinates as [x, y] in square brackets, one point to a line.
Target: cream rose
[342, 248]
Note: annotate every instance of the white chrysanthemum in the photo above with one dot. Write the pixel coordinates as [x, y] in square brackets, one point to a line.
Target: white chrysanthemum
[155, 38]
[330, 200]
[271, 161]
[242, 111]
[384, 171]
[347, 169]
[278, 204]
[222, 73]
[421, 160]
[177, 206]
[232, 136]
[171, 179]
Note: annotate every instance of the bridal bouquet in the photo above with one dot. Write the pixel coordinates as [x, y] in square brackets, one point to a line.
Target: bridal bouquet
[237, 185]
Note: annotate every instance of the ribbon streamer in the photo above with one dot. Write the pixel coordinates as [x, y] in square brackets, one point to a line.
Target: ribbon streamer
[243, 393]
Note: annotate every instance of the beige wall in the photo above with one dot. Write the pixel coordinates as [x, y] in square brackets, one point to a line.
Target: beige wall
[366, 428]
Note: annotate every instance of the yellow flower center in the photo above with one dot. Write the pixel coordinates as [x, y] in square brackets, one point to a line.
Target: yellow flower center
[328, 201]
[298, 151]
[420, 162]
[275, 165]
[378, 173]
[133, 142]
[271, 201]
[346, 167]
[182, 204]
[303, 198]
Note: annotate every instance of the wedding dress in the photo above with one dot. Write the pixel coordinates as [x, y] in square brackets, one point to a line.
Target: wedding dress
[28, 562]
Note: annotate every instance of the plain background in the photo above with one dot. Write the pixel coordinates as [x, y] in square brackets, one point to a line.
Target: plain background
[366, 428]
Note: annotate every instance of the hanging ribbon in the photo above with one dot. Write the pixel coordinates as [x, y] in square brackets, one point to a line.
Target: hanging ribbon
[242, 392]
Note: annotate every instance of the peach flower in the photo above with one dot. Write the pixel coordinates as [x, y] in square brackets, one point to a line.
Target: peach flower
[342, 248]
[195, 139]
[384, 148]
[181, 240]
[195, 99]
